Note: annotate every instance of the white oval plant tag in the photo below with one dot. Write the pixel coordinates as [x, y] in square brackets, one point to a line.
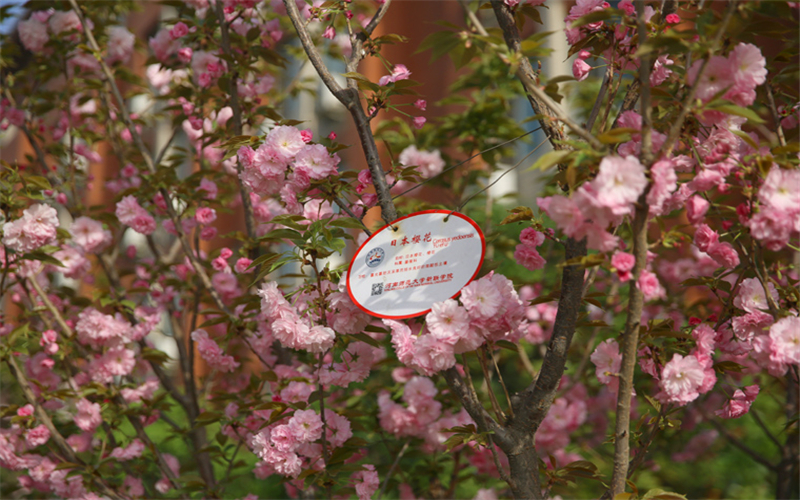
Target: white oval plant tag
[418, 260]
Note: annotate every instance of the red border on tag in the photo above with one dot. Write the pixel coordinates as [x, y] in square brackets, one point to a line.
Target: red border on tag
[452, 214]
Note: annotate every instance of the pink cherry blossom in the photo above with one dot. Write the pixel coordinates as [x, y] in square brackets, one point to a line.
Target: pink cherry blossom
[607, 360]
[33, 34]
[528, 257]
[696, 209]
[447, 321]
[88, 417]
[90, 235]
[36, 227]
[705, 237]
[751, 296]
[623, 262]
[785, 336]
[316, 162]
[133, 450]
[681, 378]
[212, 353]
[481, 298]
[740, 403]
[306, 426]
[120, 44]
[366, 482]
[619, 183]
[580, 70]
[37, 436]
[97, 329]
[430, 163]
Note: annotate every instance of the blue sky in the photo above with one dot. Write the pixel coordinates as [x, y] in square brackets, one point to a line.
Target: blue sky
[7, 24]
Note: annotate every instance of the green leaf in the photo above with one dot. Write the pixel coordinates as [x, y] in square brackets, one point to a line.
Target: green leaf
[356, 76]
[505, 344]
[282, 233]
[594, 17]
[155, 356]
[208, 417]
[68, 465]
[264, 259]
[733, 109]
[347, 223]
[659, 494]
[518, 214]
[43, 258]
[547, 160]
[363, 337]
[38, 181]
[617, 135]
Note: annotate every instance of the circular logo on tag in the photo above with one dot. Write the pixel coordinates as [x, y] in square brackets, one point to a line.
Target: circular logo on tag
[375, 257]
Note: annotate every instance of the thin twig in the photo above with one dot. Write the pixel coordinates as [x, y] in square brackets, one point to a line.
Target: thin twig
[490, 353]
[249, 219]
[498, 412]
[775, 116]
[56, 436]
[686, 108]
[392, 468]
[52, 308]
[543, 103]
[739, 444]
[419, 185]
[763, 426]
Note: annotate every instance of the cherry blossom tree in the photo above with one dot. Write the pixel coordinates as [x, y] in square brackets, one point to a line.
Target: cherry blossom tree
[194, 335]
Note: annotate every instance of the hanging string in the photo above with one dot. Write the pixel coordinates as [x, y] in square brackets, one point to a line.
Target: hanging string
[459, 207]
[465, 161]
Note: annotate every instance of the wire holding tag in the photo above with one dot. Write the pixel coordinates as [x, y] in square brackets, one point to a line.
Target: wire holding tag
[465, 161]
[463, 204]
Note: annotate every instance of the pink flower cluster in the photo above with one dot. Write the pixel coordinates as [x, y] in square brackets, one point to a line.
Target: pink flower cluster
[778, 216]
[88, 417]
[490, 310]
[265, 169]
[422, 416]
[736, 76]
[133, 450]
[580, 9]
[428, 163]
[366, 482]
[97, 329]
[399, 72]
[207, 68]
[36, 228]
[526, 254]
[707, 241]
[283, 447]
[598, 204]
[130, 213]
[89, 235]
[740, 403]
[116, 362]
[212, 353]
[288, 327]
[780, 348]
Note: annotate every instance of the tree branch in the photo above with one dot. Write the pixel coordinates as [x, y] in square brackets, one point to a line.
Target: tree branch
[249, 219]
[350, 99]
[630, 340]
[540, 101]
